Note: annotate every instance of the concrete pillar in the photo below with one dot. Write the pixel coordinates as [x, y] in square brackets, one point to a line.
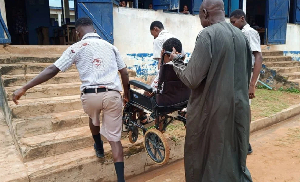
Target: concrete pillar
[59, 19]
[245, 6]
[135, 3]
[66, 9]
[3, 11]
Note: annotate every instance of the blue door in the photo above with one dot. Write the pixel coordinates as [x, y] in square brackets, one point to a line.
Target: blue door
[165, 4]
[4, 34]
[196, 6]
[101, 13]
[277, 19]
[234, 5]
[297, 11]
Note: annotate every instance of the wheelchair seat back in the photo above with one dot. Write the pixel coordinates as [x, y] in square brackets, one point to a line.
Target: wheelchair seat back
[171, 91]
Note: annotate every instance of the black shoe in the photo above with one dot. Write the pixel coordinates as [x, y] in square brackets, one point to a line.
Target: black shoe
[250, 149]
[99, 152]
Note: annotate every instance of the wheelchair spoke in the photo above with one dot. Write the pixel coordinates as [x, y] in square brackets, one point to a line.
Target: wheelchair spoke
[159, 153]
[161, 148]
[152, 141]
[155, 146]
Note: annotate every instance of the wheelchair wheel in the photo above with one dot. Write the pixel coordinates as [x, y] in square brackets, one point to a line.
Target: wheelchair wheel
[133, 134]
[157, 146]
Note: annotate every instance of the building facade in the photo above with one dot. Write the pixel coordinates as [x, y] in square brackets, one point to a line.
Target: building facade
[128, 28]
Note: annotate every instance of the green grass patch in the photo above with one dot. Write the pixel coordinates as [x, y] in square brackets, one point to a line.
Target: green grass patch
[269, 102]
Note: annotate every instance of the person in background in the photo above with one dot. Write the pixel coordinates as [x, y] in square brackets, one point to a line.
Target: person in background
[185, 10]
[160, 35]
[238, 19]
[123, 4]
[150, 6]
[98, 63]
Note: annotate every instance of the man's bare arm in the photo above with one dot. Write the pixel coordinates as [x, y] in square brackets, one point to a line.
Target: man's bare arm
[44, 76]
[256, 71]
[125, 82]
[159, 62]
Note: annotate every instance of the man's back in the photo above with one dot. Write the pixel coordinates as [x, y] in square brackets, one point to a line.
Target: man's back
[253, 38]
[218, 110]
[97, 62]
[229, 51]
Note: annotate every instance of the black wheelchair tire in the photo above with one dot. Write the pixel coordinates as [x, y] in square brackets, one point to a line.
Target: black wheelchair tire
[156, 137]
[133, 135]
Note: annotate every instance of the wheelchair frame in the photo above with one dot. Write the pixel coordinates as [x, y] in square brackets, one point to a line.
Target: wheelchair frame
[155, 143]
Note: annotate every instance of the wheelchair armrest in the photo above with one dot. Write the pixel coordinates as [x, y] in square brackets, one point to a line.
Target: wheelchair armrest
[141, 85]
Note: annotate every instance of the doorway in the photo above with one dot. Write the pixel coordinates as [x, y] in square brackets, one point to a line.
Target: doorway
[256, 17]
[17, 21]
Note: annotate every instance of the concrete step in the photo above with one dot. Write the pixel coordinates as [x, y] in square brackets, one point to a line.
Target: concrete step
[61, 77]
[281, 70]
[291, 76]
[83, 164]
[52, 144]
[272, 53]
[21, 58]
[297, 81]
[41, 106]
[19, 80]
[26, 68]
[282, 64]
[277, 58]
[49, 123]
[35, 49]
[48, 90]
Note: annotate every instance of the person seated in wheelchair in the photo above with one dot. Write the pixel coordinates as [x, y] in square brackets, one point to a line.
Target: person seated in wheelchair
[166, 87]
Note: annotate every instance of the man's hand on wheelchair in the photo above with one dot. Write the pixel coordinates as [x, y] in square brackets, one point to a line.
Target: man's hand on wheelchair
[125, 97]
[174, 54]
[176, 57]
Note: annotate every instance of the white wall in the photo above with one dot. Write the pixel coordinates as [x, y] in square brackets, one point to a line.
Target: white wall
[132, 29]
[57, 14]
[132, 35]
[292, 40]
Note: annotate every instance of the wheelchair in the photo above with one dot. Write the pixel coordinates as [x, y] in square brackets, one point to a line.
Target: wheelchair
[171, 96]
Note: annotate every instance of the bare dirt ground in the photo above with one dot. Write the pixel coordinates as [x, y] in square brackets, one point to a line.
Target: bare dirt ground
[276, 157]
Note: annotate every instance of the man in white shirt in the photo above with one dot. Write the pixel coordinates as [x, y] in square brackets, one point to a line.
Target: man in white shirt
[238, 19]
[160, 35]
[98, 63]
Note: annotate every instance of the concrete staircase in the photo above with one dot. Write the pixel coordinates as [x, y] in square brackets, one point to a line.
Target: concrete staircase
[50, 128]
[283, 65]
[49, 125]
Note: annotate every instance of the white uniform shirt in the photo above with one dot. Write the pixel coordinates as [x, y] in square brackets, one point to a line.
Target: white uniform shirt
[159, 41]
[253, 39]
[154, 84]
[97, 62]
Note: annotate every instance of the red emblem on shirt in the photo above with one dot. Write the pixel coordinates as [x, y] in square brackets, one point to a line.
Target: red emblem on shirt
[97, 63]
